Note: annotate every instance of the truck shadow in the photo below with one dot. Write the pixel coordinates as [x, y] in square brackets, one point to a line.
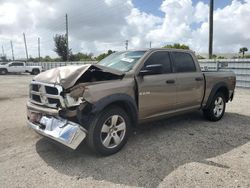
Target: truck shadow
[153, 151]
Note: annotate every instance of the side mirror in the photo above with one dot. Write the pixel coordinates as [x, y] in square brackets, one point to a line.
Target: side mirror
[151, 70]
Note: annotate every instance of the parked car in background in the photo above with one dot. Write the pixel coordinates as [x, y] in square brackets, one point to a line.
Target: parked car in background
[102, 102]
[19, 67]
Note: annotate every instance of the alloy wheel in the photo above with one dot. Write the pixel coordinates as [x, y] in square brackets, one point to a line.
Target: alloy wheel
[218, 106]
[113, 131]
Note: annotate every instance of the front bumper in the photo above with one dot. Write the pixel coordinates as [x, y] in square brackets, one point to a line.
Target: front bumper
[63, 131]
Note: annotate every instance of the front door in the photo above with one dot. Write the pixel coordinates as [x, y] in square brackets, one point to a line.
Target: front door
[157, 92]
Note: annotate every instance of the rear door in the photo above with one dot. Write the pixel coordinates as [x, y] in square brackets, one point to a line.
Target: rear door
[157, 92]
[189, 81]
[20, 67]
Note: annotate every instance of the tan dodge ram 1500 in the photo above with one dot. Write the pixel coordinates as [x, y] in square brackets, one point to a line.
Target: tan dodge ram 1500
[102, 102]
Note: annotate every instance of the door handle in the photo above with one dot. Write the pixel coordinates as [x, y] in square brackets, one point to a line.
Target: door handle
[170, 81]
[199, 79]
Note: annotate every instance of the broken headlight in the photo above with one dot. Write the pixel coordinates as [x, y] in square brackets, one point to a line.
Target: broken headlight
[74, 97]
[70, 101]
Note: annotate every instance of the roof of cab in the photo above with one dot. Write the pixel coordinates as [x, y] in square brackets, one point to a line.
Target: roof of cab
[157, 49]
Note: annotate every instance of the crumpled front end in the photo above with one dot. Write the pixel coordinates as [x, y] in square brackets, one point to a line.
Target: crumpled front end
[61, 130]
[44, 114]
[57, 106]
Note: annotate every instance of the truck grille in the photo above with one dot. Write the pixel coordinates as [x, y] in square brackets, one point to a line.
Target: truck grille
[46, 94]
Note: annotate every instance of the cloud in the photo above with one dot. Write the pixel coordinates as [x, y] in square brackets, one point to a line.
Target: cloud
[138, 24]
[96, 26]
[231, 24]
[90, 22]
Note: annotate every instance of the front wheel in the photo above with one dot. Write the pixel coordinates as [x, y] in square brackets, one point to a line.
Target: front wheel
[109, 131]
[216, 109]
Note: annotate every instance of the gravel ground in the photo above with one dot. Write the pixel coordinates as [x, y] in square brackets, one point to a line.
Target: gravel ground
[185, 151]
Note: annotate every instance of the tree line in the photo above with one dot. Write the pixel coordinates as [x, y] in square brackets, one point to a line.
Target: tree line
[61, 50]
[60, 42]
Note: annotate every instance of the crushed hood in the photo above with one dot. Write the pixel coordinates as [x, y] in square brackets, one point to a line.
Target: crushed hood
[67, 76]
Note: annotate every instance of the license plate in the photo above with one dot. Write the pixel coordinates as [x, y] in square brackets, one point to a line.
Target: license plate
[34, 117]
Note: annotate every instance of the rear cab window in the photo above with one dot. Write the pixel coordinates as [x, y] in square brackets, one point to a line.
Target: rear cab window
[183, 62]
[19, 64]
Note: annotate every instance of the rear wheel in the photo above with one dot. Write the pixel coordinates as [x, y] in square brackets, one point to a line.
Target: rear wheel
[216, 109]
[3, 71]
[109, 131]
[35, 71]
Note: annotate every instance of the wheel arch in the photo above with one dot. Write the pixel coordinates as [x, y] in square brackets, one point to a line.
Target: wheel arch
[33, 69]
[219, 87]
[124, 101]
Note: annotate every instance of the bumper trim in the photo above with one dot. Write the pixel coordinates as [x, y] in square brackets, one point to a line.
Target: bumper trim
[41, 109]
[65, 132]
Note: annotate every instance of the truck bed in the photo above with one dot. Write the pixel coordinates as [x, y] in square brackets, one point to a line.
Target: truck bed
[214, 77]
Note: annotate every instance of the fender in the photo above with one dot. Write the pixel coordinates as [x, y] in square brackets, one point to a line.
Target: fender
[213, 92]
[130, 104]
[87, 111]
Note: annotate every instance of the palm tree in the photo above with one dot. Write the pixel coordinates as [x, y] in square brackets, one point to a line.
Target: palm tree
[243, 50]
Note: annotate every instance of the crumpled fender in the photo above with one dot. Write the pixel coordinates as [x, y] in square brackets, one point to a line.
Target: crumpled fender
[88, 111]
[99, 96]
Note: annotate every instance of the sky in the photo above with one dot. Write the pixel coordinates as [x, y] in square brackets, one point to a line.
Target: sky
[99, 25]
[154, 8]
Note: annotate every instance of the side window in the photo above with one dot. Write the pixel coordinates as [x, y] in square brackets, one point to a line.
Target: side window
[183, 62]
[14, 64]
[162, 58]
[19, 64]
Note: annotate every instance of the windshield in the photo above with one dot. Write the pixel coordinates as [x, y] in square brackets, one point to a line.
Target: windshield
[122, 61]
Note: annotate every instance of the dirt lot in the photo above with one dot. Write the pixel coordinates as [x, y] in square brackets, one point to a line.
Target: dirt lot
[185, 151]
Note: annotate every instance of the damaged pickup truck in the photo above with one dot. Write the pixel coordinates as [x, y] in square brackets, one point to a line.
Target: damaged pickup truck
[102, 102]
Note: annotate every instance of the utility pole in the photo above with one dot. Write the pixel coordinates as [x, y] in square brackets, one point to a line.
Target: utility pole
[39, 55]
[126, 45]
[11, 45]
[25, 44]
[3, 51]
[150, 44]
[67, 37]
[211, 12]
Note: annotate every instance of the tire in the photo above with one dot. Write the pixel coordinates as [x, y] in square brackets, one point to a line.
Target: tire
[109, 131]
[35, 72]
[216, 109]
[3, 71]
